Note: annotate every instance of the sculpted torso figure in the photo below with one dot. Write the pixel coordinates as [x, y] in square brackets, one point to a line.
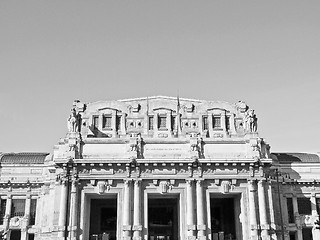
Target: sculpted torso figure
[73, 121]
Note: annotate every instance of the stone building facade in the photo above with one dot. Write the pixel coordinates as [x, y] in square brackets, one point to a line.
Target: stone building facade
[160, 168]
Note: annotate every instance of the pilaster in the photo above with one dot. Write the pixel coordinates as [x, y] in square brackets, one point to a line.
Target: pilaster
[253, 210]
[191, 227]
[315, 232]
[137, 227]
[7, 215]
[73, 223]
[127, 227]
[201, 227]
[63, 208]
[263, 211]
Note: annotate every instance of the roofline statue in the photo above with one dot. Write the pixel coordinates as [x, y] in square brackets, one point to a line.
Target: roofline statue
[73, 121]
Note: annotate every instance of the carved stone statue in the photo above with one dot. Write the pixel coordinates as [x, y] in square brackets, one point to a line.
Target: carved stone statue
[250, 121]
[73, 121]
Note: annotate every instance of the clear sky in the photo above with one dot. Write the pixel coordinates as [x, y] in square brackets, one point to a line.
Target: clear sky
[266, 53]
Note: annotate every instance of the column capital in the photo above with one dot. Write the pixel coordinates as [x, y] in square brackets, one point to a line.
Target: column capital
[199, 182]
[252, 185]
[127, 182]
[262, 181]
[189, 181]
[137, 182]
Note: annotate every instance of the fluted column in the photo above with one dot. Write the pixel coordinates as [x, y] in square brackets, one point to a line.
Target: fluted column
[137, 227]
[263, 211]
[73, 223]
[63, 208]
[200, 211]
[191, 228]
[126, 210]
[253, 210]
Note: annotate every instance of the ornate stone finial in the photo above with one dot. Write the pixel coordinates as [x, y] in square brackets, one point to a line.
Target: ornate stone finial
[73, 121]
[241, 106]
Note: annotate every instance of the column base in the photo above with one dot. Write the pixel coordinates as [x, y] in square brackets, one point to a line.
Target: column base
[61, 234]
[136, 238]
[202, 238]
[192, 238]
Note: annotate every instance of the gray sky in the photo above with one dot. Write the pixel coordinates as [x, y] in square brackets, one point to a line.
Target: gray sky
[266, 53]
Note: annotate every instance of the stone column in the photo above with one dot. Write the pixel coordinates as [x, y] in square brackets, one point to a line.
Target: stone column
[137, 227]
[210, 125]
[191, 227]
[63, 208]
[201, 227]
[83, 216]
[27, 209]
[263, 210]
[168, 122]
[73, 223]
[7, 215]
[297, 217]
[114, 123]
[123, 124]
[126, 210]
[24, 228]
[232, 123]
[223, 121]
[253, 210]
[315, 232]
[155, 124]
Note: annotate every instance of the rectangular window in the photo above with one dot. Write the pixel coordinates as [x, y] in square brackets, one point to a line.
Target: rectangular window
[307, 233]
[290, 210]
[31, 236]
[173, 123]
[292, 235]
[162, 122]
[150, 123]
[318, 205]
[18, 207]
[205, 125]
[3, 203]
[304, 206]
[118, 123]
[227, 123]
[106, 123]
[95, 121]
[216, 122]
[33, 210]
